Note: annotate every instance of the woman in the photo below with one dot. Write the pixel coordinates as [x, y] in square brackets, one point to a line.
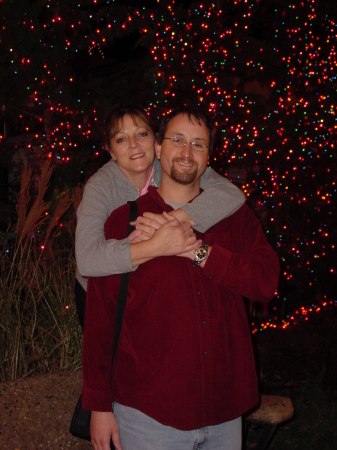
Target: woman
[132, 169]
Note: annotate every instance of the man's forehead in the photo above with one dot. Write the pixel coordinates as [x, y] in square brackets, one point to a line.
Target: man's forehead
[181, 117]
[182, 123]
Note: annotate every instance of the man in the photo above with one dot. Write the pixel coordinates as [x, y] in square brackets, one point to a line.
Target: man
[184, 372]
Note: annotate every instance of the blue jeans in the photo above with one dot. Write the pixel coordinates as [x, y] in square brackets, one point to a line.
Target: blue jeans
[139, 432]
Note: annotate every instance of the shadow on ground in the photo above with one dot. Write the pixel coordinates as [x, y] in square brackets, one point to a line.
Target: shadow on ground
[299, 362]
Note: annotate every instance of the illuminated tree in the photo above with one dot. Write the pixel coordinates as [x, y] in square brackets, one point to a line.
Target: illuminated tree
[265, 70]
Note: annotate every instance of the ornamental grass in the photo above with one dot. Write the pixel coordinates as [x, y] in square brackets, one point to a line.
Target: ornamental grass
[39, 331]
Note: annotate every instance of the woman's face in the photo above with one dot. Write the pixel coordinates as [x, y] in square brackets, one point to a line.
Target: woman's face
[132, 147]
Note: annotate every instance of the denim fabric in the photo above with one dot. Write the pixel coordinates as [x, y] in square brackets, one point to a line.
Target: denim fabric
[140, 432]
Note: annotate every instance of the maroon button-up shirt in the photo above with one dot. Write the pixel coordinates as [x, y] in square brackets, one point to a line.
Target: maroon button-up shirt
[184, 355]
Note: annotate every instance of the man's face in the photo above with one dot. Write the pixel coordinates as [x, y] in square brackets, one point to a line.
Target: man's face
[183, 165]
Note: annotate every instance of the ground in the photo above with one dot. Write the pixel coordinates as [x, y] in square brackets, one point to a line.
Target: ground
[299, 362]
[35, 412]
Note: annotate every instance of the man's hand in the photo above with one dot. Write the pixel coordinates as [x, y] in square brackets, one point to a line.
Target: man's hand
[103, 427]
[147, 224]
[138, 236]
[174, 238]
[188, 254]
[170, 239]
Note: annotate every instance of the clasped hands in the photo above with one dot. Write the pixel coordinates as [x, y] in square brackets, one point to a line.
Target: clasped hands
[166, 231]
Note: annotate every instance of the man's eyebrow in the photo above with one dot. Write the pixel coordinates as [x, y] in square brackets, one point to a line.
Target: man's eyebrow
[194, 139]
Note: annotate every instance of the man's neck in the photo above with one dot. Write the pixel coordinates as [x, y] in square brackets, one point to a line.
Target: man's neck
[173, 192]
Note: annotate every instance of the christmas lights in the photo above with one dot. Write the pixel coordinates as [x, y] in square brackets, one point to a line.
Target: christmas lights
[265, 71]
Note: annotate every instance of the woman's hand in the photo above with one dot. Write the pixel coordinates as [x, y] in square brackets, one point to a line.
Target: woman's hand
[147, 224]
[103, 427]
[174, 238]
[169, 239]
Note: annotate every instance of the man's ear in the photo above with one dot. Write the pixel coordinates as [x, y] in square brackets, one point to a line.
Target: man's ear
[157, 149]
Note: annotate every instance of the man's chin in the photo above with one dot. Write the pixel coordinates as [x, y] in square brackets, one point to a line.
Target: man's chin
[183, 177]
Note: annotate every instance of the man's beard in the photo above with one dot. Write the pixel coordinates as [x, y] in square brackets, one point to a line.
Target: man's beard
[184, 177]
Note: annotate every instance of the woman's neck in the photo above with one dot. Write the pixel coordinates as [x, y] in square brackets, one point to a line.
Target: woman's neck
[139, 179]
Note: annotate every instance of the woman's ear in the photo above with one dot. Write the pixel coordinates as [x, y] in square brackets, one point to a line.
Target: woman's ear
[109, 150]
[157, 149]
[112, 155]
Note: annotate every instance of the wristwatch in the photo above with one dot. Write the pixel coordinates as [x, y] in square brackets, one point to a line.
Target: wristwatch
[201, 253]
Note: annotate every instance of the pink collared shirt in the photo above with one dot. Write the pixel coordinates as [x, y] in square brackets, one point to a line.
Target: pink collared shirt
[145, 188]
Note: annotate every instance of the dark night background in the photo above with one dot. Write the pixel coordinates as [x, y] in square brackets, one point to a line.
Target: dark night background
[265, 70]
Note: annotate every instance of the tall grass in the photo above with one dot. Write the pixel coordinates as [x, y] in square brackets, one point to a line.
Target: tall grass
[39, 331]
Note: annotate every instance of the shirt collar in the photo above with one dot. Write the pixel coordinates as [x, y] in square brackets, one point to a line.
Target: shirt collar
[145, 188]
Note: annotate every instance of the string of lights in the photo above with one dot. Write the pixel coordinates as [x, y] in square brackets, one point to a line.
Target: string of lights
[265, 71]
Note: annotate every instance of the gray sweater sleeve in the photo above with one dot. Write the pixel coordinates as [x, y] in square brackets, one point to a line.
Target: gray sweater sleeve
[104, 192]
[96, 256]
[220, 199]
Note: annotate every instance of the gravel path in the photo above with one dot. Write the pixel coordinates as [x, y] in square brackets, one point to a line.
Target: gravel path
[35, 412]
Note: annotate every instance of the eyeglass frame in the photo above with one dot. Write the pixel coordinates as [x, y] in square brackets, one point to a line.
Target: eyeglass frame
[174, 143]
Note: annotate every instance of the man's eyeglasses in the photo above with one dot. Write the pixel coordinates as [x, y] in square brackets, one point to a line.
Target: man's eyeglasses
[197, 146]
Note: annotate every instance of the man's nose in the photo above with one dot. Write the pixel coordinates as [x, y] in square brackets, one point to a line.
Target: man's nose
[187, 149]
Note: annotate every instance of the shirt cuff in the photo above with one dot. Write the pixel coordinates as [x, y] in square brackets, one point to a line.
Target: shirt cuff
[96, 400]
[217, 263]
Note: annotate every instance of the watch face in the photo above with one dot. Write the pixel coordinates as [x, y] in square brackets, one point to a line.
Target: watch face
[202, 253]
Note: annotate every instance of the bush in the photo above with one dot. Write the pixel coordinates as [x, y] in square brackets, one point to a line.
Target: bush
[39, 331]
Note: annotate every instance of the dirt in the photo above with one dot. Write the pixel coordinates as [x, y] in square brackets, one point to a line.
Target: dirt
[35, 412]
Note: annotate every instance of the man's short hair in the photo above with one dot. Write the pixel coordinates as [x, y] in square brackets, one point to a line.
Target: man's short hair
[194, 114]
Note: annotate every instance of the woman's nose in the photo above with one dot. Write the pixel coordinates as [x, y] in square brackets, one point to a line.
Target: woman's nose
[133, 141]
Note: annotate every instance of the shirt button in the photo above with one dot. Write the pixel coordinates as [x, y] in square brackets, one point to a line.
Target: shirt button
[199, 293]
[211, 276]
[205, 352]
[203, 322]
